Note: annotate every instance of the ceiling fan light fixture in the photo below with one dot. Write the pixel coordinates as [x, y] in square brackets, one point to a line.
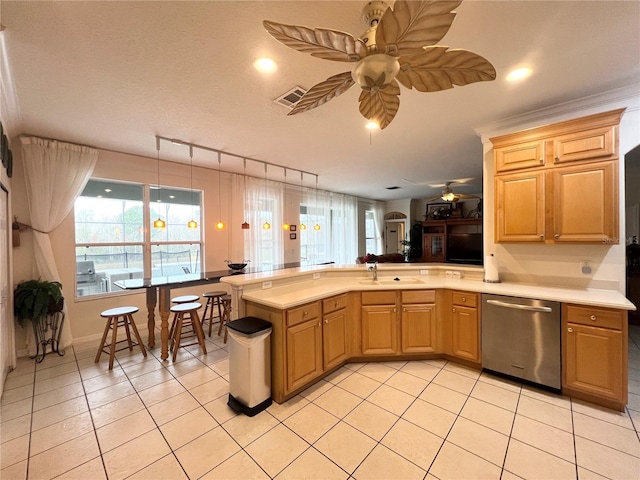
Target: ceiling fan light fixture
[372, 125]
[265, 65]
[448, 196]
[376, 70]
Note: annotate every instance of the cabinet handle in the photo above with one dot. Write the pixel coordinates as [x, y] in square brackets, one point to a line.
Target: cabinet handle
[570, 330]
[319, 324]
[593, 317]
[542, 237]
[304, 314]
[395, 310]
[557, 235]
[542, 161]
[464, 299]
[556, 158]
[326, 321]
[335, 305]
[453, 310]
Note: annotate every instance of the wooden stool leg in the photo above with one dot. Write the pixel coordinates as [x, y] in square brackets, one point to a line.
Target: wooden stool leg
[114, 339]
[104, 338]
[197, 327]
[173, 331]
[125, 322]
[208, 305]
[226, 320]
[177, 334]
[135, 332]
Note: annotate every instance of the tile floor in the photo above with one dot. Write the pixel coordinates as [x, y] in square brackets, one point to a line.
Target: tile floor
[69, 418]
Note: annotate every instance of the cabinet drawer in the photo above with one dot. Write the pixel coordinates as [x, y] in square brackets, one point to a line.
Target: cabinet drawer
[334, 303]
[379, 298]
[303, 313]
[598, 143]
[419, 296]
[595, 317]
[466, 299]
[521, 155]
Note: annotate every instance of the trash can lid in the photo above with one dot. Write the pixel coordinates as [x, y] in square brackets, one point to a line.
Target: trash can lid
[249, 325]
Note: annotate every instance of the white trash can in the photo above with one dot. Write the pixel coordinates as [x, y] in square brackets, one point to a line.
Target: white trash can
[249, 365]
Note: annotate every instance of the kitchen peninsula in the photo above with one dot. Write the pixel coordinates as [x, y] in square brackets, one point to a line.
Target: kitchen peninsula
[327, 315]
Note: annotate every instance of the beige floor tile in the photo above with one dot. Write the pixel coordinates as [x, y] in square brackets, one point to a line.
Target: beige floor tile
[44, 386]
[197, 377]
[433, 419]
[606, 433]
[59, 395]
[421, 370]
[462, 370]
[413, 443]
[584, 474]
[57, 413]
[23, 366]
[635, 419]
[210, 390]
[110, 394]
[338, 376]
[135, 455]
[355, 366]
[488, 415]
[17, 394]
[14, 451]
[93, 470]
[479, 440]
[60, 432]
[53, 360]
[16, 381]
[544, 437]
[546, 413]
[116, 410]
[454, 381]
[345, 446]
[311, 422]
[633, 402]
[267, 450]
[633, 386]
[246, 429]
[312, 465]
[15, 409]
[384, 464]
[377, 371]
[286, 409]
[124, 430]
[497, 396]
[359, 385]
[15, 428]
[443, 397]
[315, 390]
[214, 356]
[497, 381]
[391, 399]
[17, 471]
[606, 461]
[454, 462]
[337, 401]
[91, 370]
[151, 379]
[596, 411]
[186, 364]
[221, 367]
[102, 381]
[529, 462]
[148, 365]
[161, 392]
[507, 475]
[220, 410]
[167, 468]
[63, 458]
[173, 407]
[206, 452]
[184, 429]
[549, 397]
[371, 420]
[395, 365]
[238, 467]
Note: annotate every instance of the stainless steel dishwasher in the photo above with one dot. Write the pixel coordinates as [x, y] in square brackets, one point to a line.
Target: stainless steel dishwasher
[521, 338]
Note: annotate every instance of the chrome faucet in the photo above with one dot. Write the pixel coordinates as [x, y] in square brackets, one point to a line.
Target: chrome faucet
[374, 271]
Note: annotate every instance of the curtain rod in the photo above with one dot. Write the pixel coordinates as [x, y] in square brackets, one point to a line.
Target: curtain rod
[177, 141]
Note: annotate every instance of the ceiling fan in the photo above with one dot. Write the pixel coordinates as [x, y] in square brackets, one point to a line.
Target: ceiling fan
[448, 195]
[399, 46]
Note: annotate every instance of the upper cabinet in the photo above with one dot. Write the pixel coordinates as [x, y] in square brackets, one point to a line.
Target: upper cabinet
[559, 183]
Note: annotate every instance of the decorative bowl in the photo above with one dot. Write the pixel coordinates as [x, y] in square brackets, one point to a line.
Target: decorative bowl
[236, 266]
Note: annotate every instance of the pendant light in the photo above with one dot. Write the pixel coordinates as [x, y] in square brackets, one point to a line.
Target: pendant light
[192, 223]
[285, 225]
[159, 223]
[266, 225]
[245, 225]
[220, 224]
[302, 225]
[317, 225]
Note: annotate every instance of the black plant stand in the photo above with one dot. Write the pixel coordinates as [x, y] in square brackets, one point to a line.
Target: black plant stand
[41, 327]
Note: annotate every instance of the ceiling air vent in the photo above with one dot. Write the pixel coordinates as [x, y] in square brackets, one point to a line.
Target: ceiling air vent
[290, 98]
[392, 188]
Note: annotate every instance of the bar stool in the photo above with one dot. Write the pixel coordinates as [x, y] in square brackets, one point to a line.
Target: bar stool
[119, 317]
[186, 314]
[179, 300]
[213, 301]
[226, 315]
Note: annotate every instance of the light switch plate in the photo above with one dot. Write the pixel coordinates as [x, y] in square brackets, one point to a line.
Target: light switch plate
[266, 285]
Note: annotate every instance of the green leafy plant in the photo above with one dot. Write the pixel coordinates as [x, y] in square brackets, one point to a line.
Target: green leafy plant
[35, 299]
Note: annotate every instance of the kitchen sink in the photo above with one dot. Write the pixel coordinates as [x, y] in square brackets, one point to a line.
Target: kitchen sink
[399, 281]
[369, 282]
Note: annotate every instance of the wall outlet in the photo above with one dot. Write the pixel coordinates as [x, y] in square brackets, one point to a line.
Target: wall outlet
[266, 285]
[316, 276]
[448, 274]
[585, 267]
[456, 274]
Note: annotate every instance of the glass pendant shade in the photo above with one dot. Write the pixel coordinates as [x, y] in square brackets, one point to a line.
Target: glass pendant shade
[303, 226]
[159, 223]
[192, 224]
[220, 225]
[286, 226]
[246, 226]
[316, 226]
[266, 225]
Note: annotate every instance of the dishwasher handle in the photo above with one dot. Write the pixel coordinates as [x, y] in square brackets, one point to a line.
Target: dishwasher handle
[518, 306]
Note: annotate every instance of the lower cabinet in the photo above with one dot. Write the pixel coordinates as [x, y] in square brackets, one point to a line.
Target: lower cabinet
[465, 326]
[334, 331]
[418, 321]
[303, 345]
[595, 352]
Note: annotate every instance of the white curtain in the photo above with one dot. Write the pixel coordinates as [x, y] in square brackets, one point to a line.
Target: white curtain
[55, 174]
[344, 231]
[378, 219]
[265, 248]
[237, 208]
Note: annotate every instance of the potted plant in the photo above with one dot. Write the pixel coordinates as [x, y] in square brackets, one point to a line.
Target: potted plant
[35, 299]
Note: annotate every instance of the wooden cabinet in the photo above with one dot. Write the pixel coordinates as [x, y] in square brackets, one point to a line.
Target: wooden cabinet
[594, 353]
[559, 183]
[303, 345]
[418, 321]
[465, 326]
[334, 331]
[379, 323]
[438, 237]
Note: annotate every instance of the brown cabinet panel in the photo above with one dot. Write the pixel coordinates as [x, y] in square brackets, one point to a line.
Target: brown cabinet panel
[519, 207]
[304, 353]
[386, 297]
[465, 299]
[334, 338]
[418, 325]
[518, 156]
[379, 329]
[599, 143]
[596, 317]
[334, 303]
[418, 296]
[466, 333]
[303, 313]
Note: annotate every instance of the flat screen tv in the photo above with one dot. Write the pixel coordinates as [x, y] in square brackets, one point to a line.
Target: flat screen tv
[464, 248]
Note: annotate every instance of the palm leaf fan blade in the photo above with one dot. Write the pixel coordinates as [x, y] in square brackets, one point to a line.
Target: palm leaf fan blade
[323, 92]
[321, 43]
[437, 68]
[380, 105]
[413, 25]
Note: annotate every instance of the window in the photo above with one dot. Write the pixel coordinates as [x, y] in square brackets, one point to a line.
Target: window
[112, 241]
[370, 232]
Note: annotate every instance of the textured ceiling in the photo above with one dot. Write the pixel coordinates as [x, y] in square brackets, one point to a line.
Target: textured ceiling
[115, 74]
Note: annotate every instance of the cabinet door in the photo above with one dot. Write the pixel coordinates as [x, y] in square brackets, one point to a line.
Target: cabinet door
[418, 326]
[585, 203]
[466, 333]
[519, 208]
[379, 330]
[521, 155]
[334, 338]
[304, 353]
[593, 360]
[594, 144]
[433, 247]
